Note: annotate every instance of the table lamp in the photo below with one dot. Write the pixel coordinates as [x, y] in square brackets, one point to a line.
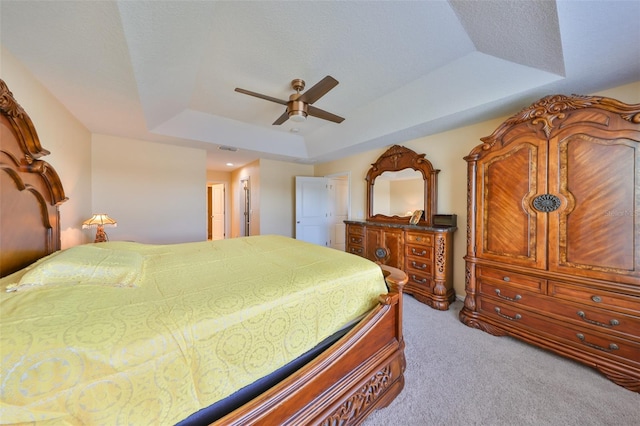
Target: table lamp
[99, 221]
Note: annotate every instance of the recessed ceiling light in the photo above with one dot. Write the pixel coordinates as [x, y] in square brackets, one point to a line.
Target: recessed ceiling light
[294, 130]
[229, 164]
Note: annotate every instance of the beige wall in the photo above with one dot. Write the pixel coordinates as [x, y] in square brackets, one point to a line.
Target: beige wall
[272, 185]
[277, 195]
[156, 192]
[252, 172]
[68, 141]
[446, 152]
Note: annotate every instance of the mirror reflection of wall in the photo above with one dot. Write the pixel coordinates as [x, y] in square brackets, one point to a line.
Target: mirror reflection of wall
[407, 196]
[398, 193]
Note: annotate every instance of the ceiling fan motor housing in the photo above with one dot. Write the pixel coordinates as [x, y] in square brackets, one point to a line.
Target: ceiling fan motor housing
[296, 109]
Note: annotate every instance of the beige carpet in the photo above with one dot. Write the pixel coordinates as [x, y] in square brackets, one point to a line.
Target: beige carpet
[457, 375]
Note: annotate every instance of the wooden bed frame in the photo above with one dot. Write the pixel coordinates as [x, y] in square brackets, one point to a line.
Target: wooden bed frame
[363, 371]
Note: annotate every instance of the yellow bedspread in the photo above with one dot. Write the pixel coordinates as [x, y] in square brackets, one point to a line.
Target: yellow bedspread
[199, 322]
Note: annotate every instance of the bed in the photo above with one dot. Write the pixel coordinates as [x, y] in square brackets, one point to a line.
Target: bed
[122, 332]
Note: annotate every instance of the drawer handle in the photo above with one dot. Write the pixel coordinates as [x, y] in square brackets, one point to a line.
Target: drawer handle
[415, 265]
[596, 299]
[506, 279]
[356, 240]
[514, 318]
[422, 281]
[356, 250]
[422, 253]
[612, 323]
[518, 297]
[612, 346]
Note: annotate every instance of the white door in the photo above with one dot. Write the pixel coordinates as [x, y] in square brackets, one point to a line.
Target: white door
[312, 209]
[338, 211]
[217, 215]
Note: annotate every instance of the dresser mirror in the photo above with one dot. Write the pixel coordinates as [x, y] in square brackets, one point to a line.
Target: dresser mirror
[399, 183]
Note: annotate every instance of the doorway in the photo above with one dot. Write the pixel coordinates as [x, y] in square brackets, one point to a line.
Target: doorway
[245, 211]
[322, 206]
[216, 211]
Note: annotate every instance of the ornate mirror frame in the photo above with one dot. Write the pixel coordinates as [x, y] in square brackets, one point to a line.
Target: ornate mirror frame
[399, 158]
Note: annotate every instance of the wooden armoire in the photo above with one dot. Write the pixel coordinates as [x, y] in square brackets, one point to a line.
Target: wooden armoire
[553, 235]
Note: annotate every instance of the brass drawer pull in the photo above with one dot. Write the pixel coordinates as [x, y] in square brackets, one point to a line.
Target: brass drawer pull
[506, 279]
[356, 250]
[421, 281]
[415, 265]
[612, 346]
[356, 240]
[514, 318]
[422, 253]
[612, 322]
[518, 297]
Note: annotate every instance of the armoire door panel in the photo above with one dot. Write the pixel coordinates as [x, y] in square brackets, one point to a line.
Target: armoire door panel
[510, 227]
[597, 232]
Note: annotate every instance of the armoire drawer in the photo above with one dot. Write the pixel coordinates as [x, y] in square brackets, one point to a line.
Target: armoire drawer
[584, 338]
[626, 326]
[596, 297]
[511, 279]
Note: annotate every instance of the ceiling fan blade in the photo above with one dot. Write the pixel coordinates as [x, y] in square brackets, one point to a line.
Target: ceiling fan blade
[319, 90]
[284, 117]
[261, 96]
[320, 113]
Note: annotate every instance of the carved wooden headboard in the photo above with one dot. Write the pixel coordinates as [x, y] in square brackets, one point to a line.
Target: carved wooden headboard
[30, 191]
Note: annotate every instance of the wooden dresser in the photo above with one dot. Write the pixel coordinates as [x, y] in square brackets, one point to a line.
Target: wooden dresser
[553, 236]
[423, 253]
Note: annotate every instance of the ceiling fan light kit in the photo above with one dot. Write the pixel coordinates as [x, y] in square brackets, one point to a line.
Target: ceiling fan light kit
[299, 104]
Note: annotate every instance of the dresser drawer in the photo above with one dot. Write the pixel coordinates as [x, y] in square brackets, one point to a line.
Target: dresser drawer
[595, 297]
[419, 253]
[355, 239]
[584, 338]
[419, 266]
[419, 238]
[424, 281]
[354, 249]
[355, 230]
[511, 279]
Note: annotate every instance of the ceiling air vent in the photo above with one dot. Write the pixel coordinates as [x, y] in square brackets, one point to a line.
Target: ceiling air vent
[228, 148]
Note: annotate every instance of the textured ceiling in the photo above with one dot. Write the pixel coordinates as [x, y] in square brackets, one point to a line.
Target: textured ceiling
[166, 71]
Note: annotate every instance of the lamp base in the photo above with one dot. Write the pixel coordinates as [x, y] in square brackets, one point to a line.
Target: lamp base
[101, 236]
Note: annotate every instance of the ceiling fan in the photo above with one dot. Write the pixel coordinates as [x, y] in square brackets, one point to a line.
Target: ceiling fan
[299, 104]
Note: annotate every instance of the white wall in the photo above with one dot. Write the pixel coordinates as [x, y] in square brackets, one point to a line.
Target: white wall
[156, 192]
[446, 151]
[63, 135]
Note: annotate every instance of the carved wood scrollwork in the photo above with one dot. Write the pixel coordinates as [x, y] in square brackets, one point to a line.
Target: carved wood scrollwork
[549, 112]
[362, 399]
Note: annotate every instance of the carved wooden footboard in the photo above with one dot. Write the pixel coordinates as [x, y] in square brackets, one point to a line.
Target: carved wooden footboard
[361, 372]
